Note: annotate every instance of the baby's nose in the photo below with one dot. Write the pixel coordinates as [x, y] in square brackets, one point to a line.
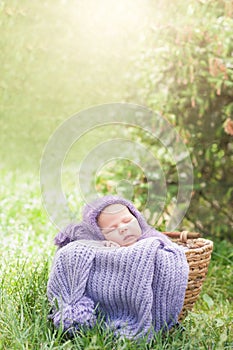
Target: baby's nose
[122, 228]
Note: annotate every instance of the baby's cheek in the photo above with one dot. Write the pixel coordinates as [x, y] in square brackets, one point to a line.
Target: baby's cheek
[136, 228]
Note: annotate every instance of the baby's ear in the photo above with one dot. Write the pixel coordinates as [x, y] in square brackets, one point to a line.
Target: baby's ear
[69, 234]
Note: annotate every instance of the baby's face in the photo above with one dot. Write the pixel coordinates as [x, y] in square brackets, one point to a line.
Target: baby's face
[119, 225]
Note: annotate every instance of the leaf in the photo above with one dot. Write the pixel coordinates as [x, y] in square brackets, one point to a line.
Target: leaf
[219, 322]
[208, 300]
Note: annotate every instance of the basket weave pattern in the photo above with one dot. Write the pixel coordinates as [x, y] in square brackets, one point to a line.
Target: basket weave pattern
[198, 256]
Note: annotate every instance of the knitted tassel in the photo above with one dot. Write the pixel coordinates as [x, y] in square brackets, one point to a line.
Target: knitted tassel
[67, 284]
[74, 315]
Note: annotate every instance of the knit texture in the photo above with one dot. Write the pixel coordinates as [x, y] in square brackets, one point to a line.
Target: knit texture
[139, 289]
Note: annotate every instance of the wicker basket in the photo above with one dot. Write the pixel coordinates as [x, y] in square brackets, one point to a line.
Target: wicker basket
[198, 256]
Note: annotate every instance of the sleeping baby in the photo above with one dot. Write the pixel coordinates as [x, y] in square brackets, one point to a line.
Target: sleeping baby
[114, 264]
[110, 221]
[118, 226]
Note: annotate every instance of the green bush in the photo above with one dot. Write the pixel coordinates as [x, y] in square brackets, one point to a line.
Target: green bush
[186, 73]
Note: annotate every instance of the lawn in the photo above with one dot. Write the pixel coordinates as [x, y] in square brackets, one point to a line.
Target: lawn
[58, 58]
[26, 255]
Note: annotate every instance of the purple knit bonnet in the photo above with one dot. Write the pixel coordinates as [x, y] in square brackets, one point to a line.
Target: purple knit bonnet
[89, 229]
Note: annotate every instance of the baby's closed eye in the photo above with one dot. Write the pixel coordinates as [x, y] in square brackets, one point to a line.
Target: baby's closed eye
[127, 219]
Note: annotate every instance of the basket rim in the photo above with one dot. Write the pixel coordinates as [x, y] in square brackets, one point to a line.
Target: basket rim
[207, 244]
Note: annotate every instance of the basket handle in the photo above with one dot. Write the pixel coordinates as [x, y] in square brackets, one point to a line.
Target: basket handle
[183, 236]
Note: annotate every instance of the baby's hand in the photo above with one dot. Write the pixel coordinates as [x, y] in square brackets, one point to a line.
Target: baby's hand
[111, 244]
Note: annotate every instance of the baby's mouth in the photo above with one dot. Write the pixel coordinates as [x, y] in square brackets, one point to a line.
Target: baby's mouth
[128, 237]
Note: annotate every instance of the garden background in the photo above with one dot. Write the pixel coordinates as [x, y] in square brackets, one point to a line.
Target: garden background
[60, 57]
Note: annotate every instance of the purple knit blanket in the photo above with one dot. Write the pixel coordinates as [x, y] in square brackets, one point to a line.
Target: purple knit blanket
[138, 289]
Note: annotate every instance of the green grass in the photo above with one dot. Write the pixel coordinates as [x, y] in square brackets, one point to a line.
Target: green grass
[26, 254]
